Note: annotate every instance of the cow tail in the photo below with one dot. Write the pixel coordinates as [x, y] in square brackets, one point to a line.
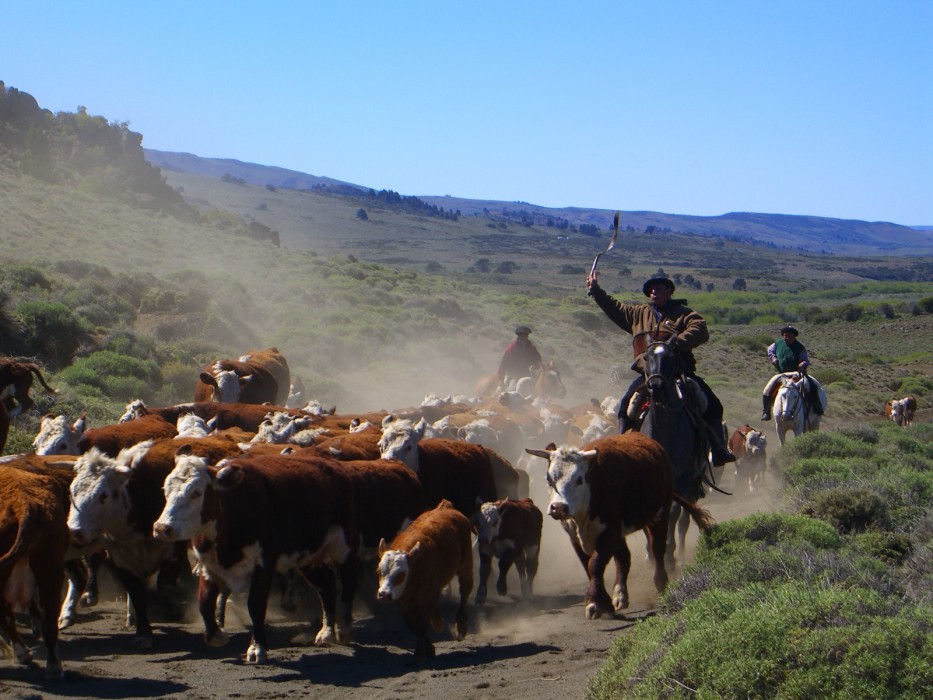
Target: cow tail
[19, 544]
[35, 370]
[701, 516]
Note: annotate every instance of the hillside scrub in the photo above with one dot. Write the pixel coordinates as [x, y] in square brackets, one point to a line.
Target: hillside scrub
[821, 602]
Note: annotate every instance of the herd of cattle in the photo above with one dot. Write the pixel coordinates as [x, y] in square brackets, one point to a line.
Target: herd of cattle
[251, 486]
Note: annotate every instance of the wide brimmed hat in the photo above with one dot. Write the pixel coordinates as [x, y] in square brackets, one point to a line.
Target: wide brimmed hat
[789, 329]
[646, 287]
[522, 330]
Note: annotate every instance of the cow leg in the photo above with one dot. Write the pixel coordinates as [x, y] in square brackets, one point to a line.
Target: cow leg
[485, 567]
[623, 559]
[138, 597]
[597, 600]
[324, 582]
[348, 574]
[91, 591]
[211, 610]
[418, 623]
[505, 563]
[167, 581]
[49, 589]
[256, 603]
[11, 635]
[465, 583]
[571, 529]
[76, 572]
[530, 555]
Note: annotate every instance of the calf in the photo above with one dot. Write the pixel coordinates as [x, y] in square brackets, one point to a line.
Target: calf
[33, 540]
[511, 531]
[608, 489]
[419, 563]
[901, 411]
[750, 449]
[119, 499]
[252, 516]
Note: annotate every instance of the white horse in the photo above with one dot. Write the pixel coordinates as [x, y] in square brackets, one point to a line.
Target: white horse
[791, 411]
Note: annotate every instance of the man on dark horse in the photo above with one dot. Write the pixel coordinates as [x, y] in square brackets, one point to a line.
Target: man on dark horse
[662, 318]
[788, 354]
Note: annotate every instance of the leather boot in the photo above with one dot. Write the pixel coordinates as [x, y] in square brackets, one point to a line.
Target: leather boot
[721, 456]
[765, 407]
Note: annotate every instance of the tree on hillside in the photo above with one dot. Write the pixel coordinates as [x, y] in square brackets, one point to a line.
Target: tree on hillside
[361, 214]
[739, 285]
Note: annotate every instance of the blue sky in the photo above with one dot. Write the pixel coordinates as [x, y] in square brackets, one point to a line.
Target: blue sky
[685, 107]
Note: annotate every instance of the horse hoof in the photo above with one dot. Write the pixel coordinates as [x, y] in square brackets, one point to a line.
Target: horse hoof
[593, 612]
[143, 642]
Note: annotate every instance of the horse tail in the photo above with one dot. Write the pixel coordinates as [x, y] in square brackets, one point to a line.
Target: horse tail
[701, 516]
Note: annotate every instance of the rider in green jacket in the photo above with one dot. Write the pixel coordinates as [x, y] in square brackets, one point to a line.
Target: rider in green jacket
[788, 354]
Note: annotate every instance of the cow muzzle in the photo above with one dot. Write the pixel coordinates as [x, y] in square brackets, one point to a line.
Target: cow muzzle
[163, 531]
[558, 510]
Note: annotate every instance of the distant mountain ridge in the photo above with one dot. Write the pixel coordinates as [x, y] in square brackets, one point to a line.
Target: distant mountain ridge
[800, 232]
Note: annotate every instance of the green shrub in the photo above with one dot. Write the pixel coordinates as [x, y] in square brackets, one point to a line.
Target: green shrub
[891, 548]
[827, 376]
[757, 344]
[848, 509]
[793, 640]
[51, 330]
[121, 377]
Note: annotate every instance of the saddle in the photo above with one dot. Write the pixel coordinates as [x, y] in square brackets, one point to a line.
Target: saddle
[695, 402]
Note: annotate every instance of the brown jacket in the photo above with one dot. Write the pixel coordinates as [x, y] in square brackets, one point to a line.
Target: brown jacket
[641, 320]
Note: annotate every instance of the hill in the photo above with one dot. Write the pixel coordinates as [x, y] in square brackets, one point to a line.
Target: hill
[804, 233]
[379, 299]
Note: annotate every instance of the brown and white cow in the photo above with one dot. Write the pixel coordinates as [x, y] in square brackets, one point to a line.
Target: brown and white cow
[901, 411]
[608, 489]
[57, 437]
[81, 563]
[15, 388]
[511, 532]
[16, 385]
[447, 469]
[419, 563]
[749, 446]
[33, 541]
[110, 439]
[117, 500]
[259, 376]
[253, 516]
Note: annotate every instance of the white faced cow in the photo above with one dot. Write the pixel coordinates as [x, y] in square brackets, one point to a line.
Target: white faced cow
[603, 491]
[254, 516]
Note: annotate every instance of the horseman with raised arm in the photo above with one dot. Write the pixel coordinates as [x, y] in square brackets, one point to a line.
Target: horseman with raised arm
[788, 355]
[662, 318]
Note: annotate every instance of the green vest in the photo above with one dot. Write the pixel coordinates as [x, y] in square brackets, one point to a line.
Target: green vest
[788, 356]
